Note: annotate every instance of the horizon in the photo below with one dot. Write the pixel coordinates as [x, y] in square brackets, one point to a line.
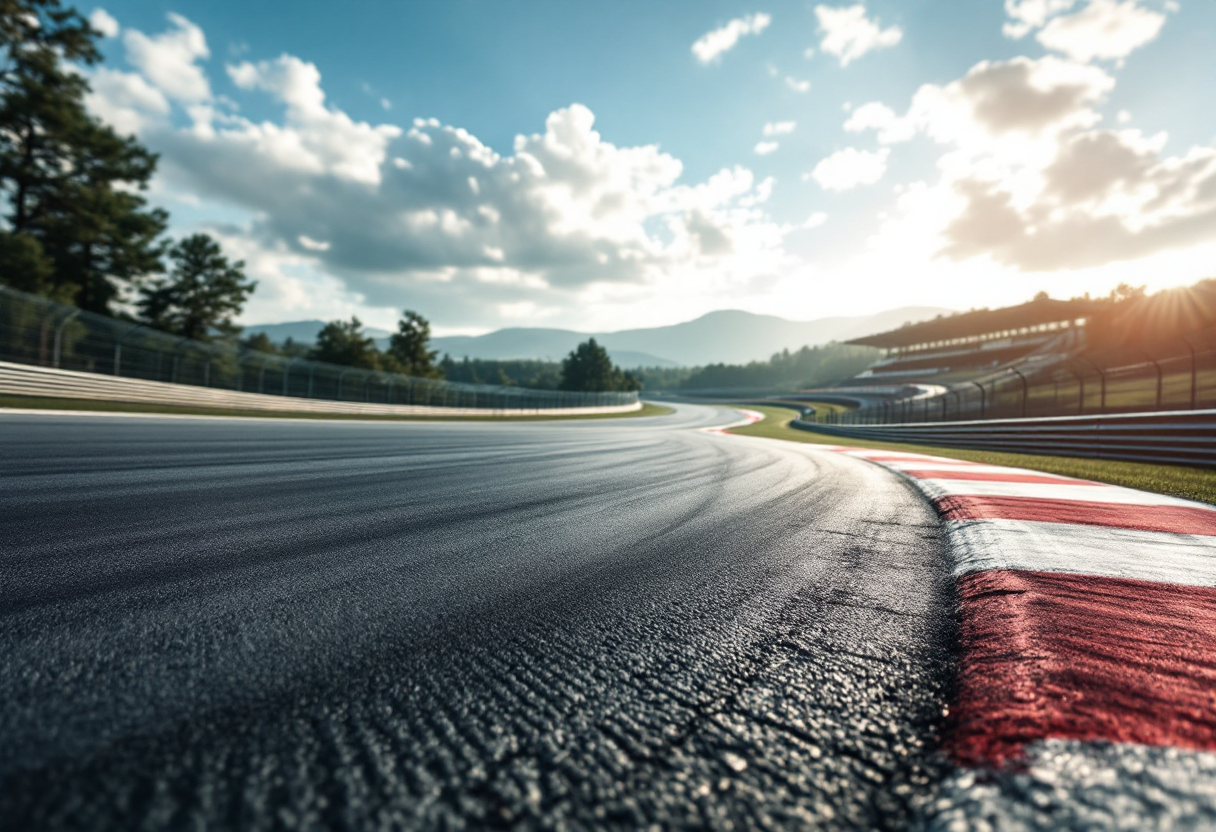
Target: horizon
[477, 163]
[259, 324]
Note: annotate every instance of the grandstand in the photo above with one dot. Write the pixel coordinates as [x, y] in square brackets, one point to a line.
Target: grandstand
[971, 344]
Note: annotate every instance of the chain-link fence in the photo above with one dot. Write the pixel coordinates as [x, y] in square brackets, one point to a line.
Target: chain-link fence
[1177, 373]
[34, 330]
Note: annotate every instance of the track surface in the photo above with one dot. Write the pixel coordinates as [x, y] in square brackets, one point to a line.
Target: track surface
[275, 624]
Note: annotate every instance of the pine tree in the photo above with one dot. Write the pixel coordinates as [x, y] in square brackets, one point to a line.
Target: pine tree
[73, 183]
[201, 294]
[408, 348]
[343, 342]
[589, 369]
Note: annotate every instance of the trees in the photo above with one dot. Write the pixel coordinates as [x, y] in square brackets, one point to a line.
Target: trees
[343, 342]
[409, 348]
[589, 369]
[72, 182]
[201, 294]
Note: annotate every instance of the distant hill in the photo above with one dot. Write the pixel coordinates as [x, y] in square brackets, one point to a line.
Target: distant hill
[302, 332]
[729, 337]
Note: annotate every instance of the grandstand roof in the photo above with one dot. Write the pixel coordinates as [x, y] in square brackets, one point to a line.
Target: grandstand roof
[981, 322]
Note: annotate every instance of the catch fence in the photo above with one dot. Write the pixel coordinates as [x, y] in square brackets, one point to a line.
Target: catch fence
[39, 332]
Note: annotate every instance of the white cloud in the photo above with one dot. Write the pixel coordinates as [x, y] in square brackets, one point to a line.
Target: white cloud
[780, 128]
[765, 148]
[1105, 29]
[815, 220]
[1100, 30]
[850, 168]
[311, 244]
[386, 104]
[876, 116]
[1003, 102]
[848, 33]
[101, 20]
[314, 136]
[1027, 181]
[1028, 15]
[168, 60]
[567, 221]
[797, 85]
[124, 99]
[712, 45]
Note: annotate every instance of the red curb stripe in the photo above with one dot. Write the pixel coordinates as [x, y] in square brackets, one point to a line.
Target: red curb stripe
[925, 459]
[1177, 519]
[1048, 655]
[992, 476]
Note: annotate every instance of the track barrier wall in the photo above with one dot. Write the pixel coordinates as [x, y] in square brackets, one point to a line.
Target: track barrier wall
[1180, 437]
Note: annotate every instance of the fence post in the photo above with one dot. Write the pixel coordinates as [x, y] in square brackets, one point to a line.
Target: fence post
[118, 347]
[58, 348]
[983, 398]
[176, 358]
[287, 373]
[1160, 381]
[1101, 382]
[1025, 389]
[1194, 374]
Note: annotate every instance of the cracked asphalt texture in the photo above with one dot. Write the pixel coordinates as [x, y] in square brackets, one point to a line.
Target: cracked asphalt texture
[271, 624]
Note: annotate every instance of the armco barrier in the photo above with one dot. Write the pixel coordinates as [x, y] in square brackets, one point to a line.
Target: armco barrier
[1185, 437]
[46, 382]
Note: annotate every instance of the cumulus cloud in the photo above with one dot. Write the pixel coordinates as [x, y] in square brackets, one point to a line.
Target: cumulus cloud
[1100, 30]
[765, 148]
[314, 137]
[169, 60]
[849, 168]
[712, 45]
[848, 33]
[815, 220]
[429, 214]
[1027, 15]
[995, 98]
[1104, 29]
[797, 85]
[780, 128]
[125, 100]
[1028, 178]
[101, 20]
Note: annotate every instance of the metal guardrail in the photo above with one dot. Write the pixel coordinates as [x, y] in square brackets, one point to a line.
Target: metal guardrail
[40, 332]
[47, 382]
[1186, 437]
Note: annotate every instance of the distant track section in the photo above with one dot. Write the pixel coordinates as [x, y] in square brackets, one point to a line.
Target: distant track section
[28, 380]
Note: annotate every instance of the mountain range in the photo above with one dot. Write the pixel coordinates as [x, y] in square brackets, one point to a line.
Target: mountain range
[728, 336]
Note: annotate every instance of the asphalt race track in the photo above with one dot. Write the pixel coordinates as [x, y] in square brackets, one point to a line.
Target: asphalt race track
[272, 624]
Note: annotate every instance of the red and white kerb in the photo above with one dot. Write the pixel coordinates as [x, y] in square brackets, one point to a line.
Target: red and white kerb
[1086, 692]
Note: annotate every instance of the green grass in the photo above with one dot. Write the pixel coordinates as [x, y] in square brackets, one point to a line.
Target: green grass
[1174, 480]
[820, 407]
[32, 403]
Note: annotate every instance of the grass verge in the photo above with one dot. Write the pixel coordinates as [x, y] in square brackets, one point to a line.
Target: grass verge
[1174, 480]
[33, 403]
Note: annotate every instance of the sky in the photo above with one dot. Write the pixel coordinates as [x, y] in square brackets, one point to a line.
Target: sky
[610, 165]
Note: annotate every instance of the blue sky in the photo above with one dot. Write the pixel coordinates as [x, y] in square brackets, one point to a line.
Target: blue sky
[802, 159]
